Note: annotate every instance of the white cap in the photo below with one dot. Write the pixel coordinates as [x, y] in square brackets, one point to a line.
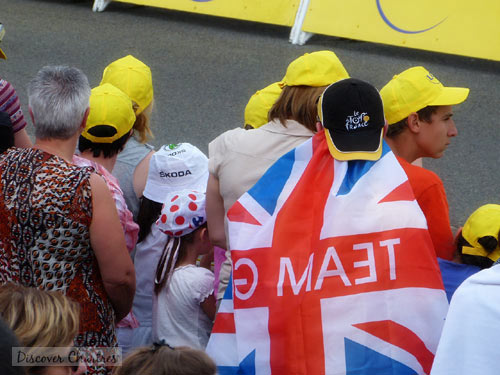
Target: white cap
[176, 167]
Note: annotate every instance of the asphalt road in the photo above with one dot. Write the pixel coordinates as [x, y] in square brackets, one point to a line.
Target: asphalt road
[206, 68]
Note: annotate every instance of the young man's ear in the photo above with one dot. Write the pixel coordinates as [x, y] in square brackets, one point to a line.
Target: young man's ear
[413, 122]
[386, 126]
[319, 127]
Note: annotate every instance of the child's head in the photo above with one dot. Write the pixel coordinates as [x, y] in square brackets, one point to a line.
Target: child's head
[165, 360]
[183, 219]
[40, 319]
[109, 123]
[478, 244]
[134, 78]
[173, 167]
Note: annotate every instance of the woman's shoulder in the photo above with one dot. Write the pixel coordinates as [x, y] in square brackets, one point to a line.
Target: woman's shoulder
[233, 135]
[237, 140]
[46, 163]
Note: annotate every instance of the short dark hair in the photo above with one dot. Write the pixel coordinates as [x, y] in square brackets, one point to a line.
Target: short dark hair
[107, 149]
[149, 212]
[423, 114]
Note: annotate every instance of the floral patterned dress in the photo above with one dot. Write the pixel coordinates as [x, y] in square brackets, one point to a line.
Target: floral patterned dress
[46, 211]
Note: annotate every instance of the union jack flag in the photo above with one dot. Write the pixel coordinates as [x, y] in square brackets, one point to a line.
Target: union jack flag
[334, 272]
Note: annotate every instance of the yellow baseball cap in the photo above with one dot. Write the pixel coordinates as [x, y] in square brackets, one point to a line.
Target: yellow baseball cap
[260, 103]
[414, 89]
[133, 77]
[320, 68]
[109, 106]
[485, 221]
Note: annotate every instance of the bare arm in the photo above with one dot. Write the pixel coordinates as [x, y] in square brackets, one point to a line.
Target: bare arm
[141, 175]
[108, 242]
[209, 307]
[215, 213]
[22, 140]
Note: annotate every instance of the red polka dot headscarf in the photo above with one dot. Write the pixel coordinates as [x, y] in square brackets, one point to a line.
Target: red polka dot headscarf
[182, 213]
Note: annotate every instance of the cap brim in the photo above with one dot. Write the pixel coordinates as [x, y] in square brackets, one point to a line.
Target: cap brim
[451, 96]
[2, 55]
[370, 147]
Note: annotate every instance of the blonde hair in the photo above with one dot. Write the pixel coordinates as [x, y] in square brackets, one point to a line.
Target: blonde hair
[141, 124]
[298, 103]
[39, 318]
[165, 360]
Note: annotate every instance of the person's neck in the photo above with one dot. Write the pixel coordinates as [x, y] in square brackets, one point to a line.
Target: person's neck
[107, 163]
[190, 257]
[64, 148]
[404, 147]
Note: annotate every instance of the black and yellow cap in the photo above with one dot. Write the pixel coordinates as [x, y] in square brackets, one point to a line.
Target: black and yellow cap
[352, 114]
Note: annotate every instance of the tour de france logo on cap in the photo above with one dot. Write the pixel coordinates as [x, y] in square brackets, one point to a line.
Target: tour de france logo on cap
[357, 120]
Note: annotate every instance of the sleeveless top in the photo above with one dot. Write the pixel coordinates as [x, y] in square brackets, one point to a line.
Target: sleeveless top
[124, 168]
[46, 211]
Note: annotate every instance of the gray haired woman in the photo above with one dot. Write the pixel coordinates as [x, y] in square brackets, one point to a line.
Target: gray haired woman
[59, 228]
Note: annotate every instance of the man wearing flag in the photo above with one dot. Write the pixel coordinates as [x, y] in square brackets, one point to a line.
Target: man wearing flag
[334, 270]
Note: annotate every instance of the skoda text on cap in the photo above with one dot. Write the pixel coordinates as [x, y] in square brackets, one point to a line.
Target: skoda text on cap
[352, 114]
[176, 167]
[414, 89]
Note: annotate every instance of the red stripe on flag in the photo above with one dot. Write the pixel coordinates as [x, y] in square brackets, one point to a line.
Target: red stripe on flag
[403, 192]
[224, 323]
[238, 213]
[402, 337]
